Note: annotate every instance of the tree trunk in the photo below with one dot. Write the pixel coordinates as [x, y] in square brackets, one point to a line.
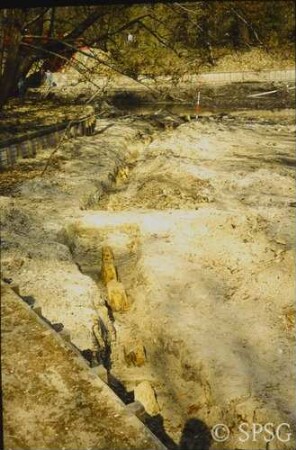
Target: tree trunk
[9, 77]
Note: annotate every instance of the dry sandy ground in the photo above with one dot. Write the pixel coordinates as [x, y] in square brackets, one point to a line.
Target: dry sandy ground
[201, 222]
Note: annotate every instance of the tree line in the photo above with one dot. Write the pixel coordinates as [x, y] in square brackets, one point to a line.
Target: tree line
[147, 39]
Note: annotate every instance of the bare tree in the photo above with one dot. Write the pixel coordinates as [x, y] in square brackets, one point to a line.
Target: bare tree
[169, 38]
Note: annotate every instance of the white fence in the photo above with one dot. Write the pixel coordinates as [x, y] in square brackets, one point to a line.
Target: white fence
[123, 82]
[259, 76]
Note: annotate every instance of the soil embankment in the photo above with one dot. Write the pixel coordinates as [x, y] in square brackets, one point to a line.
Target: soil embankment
[51, 397]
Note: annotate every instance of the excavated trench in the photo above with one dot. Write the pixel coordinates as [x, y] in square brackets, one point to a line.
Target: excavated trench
[110, 257]
[110, 254]
[144, 217]
[183, 262]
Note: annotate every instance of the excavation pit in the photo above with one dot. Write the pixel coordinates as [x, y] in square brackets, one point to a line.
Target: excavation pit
[210, 284]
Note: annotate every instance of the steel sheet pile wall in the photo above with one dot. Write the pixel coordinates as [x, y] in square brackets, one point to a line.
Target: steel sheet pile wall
[27, 146]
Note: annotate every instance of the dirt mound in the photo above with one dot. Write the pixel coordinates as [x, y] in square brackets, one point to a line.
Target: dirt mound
[161, 193]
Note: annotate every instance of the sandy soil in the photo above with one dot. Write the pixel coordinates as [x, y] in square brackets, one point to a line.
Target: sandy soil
[51, 398]
[200, 220]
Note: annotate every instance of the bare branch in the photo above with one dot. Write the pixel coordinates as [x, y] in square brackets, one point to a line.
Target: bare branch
[90, 55]
[248, 24]
[41, 49]
[184, 8]
[122, 28]
[36, 18]
[158, 38]
[85, 24]
[187, 10]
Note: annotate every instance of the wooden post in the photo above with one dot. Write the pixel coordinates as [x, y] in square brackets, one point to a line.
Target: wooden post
[197, 108]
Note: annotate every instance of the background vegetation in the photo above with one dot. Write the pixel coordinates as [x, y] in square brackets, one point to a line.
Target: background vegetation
[167, 38]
